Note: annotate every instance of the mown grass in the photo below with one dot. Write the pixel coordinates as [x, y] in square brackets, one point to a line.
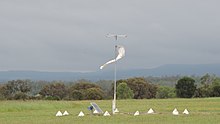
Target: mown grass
[202, 111]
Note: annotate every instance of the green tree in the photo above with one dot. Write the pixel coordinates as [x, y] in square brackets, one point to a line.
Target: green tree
[216, 82]
[94, 94]
[216, 91]
[54, 91]
[37, 86]
[2, 90]
[84, 90]
[18, 88]
[124, 92]
[203, 91]
[207, 79]
[106, 86]
[140, 87]
[77, 95]
[165, 92]
[215, 88]
[83, 86]
[20, 95]
[185, 87]
[206, 89]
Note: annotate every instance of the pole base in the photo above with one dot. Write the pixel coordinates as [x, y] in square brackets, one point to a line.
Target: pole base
[113, 106]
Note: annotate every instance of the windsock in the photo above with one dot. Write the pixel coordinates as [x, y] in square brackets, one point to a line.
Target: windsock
[120, 54]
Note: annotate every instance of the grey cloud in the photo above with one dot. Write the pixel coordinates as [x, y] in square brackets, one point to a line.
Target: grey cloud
[70, 35]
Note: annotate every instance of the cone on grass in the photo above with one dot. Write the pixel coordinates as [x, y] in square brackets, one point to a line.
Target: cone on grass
[65, 113]
[81, 114]
[186, 112]
[150, 111]
[175, 112]
[95, 112]
[116, 110]
[136, 113]
[59, 114]
[106, 113]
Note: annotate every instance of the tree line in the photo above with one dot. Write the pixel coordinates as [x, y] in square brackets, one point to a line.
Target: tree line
[132, 88]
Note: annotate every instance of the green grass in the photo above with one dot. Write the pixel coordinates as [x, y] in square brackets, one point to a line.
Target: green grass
[202, 111]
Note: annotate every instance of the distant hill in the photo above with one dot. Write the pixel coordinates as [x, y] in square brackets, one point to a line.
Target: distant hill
[177, 69]
[165, 70]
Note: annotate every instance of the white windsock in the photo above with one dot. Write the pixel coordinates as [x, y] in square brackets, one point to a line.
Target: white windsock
[121, 54]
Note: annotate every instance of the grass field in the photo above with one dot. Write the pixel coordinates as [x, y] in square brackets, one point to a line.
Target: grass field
[202, 111]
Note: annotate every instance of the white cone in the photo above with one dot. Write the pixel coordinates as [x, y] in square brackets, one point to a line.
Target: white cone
[95, 112]
[136, 113]
[65, 113]
[106, 114]
[58, 114]
[175, 112]
[150, 111]
[116, 110]
[186, 112]
[81, 114]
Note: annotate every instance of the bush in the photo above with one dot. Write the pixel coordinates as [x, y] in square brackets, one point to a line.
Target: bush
[140, 87]
[85, 91]
[216, 91]
[204, 91]
[94, 94]
[56, 91]
[165, 92]
[124, 92]
[77, 95]
[52, 98]
[21, 96]
[185, 87]
[15, 89]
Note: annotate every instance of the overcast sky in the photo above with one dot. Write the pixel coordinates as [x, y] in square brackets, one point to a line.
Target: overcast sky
[69, 35]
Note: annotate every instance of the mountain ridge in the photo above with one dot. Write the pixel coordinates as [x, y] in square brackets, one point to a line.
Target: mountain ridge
[164, 70]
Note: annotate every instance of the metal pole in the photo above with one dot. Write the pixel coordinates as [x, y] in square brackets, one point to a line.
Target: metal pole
[114, 100]
[115, 73]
